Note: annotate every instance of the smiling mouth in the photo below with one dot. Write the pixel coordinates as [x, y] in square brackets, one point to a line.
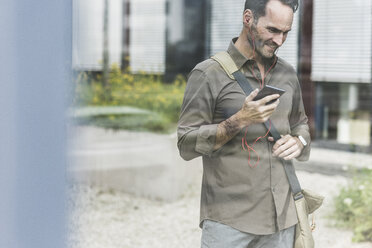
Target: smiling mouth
[273, 48]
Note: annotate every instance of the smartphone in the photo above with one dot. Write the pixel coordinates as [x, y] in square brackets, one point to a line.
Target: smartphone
[267, 91]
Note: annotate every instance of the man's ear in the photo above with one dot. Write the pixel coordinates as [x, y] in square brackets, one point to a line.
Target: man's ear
[248, 18]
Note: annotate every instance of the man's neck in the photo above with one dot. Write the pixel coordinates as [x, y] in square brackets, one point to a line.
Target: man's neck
[244, 46]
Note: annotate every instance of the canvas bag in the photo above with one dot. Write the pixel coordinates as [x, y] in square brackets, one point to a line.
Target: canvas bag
[306, 202]
[305, 206]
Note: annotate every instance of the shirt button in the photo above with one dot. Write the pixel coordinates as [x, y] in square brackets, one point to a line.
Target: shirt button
[273, 190]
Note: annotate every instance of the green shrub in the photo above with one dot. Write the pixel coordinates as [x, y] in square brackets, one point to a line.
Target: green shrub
[153, 122]
[126, 89]
[353, 206]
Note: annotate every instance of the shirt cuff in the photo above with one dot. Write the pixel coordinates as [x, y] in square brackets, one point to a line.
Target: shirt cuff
[206, 139]
[305, 153]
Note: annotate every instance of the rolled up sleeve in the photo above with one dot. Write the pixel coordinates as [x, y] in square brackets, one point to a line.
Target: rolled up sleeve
[206, 139]
[299, 123]
[196, 131]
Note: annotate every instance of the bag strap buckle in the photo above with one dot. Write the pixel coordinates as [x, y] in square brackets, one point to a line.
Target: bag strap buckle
[298, 196]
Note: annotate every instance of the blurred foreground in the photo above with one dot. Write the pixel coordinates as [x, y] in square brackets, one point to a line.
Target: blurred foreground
[112, 219]
[127, 166]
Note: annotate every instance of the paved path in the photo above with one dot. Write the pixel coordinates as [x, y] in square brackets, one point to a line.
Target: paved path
[112, 219]
[333, 162]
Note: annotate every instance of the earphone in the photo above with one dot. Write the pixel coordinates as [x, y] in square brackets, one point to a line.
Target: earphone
[246, 147]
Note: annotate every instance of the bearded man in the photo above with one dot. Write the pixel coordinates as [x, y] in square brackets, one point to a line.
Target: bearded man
[246, 200]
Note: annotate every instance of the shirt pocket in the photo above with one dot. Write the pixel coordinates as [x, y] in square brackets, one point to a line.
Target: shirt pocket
[229, 103]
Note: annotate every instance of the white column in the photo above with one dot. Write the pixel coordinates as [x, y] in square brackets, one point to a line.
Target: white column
[353, 97]
[35, 67]
[7, 125]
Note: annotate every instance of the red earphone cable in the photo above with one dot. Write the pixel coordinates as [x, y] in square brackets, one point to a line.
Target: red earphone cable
[245, 145]
[248, 148]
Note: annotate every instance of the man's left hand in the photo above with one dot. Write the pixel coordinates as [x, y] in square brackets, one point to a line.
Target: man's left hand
[288, 147]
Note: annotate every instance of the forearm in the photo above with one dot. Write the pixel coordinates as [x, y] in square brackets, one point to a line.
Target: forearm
[227, 129]
[303, 130]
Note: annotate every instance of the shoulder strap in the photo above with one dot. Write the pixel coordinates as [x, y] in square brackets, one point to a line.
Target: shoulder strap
[228, 64]
[225, 60]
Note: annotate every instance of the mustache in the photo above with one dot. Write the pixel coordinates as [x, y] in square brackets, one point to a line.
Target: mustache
[272, 45]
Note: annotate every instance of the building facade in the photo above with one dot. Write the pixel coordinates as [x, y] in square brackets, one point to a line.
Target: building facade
[329, 45]
[341, 70]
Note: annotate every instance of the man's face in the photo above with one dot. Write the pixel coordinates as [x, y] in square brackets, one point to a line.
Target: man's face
[271, 30]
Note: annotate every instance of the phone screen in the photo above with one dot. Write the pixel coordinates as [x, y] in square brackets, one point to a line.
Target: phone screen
[267, 91]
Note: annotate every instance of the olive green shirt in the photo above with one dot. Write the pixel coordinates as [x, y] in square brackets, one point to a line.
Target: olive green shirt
[257, 199]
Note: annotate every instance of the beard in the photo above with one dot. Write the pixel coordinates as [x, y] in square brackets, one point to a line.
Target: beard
[265, 50]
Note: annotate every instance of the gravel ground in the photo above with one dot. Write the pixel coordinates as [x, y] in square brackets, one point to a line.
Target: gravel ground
[112, 219]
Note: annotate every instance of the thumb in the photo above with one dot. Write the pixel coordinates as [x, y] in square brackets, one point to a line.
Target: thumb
[271, 139]
[251, 96]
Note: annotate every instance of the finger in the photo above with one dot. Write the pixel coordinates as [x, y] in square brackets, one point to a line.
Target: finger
[289, 143]
[265, 116]
[251, 96]
[270, 107]
[289, 151]
[271, 139]
[280, 142]
[267, 113]
[274, 104]
[269, 98]
[293, 155]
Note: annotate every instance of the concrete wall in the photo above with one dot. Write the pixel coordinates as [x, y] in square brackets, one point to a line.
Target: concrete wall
[143, 164]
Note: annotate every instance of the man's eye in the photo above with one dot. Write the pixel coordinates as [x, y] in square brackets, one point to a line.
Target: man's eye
[273, 30]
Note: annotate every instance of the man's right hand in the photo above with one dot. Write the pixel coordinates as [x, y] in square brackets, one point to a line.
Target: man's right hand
[257, 111]
[251, 112]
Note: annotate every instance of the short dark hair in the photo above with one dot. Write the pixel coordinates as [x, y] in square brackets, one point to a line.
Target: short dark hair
[258, 7]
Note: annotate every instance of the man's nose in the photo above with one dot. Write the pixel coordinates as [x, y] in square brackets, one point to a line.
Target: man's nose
[279, 39]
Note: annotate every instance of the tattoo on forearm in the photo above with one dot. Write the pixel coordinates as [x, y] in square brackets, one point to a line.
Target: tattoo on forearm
[231, 128]
[225, 132]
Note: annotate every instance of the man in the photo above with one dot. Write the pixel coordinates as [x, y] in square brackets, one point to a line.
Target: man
[244, 205]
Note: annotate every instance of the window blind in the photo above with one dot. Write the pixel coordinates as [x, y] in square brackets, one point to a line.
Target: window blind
[342, 41]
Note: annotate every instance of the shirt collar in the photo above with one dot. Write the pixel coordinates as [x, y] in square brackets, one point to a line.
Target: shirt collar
[237, 56]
